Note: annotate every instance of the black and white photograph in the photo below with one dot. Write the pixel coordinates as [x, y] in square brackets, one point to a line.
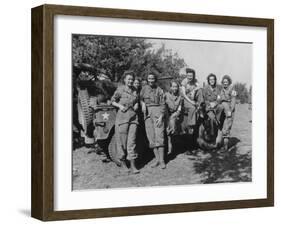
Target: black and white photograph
[160, 112]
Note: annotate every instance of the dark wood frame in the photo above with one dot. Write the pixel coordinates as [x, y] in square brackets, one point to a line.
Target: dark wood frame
[42, 202]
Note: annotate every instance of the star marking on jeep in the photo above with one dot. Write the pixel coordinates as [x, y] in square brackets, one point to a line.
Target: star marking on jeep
[105, 116]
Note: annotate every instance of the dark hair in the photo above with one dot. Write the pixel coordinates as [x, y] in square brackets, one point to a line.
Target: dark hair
[174, 81]
[129, 72]
[152, 73]
[228, 78]
[212, 75]
[139, 79]
[190, 70]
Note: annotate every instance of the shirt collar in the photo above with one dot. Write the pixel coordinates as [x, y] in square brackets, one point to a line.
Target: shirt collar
[213, 89]
[152, 88]
[128, 90]
[228, 88]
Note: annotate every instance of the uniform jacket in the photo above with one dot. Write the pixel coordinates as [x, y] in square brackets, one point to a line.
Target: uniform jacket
[211, 94]
[128, 98]
[153, 97]
[190, 88]
[228, 95]
[173, 102]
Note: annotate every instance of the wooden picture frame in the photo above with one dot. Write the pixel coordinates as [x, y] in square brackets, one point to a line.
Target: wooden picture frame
[42, 203]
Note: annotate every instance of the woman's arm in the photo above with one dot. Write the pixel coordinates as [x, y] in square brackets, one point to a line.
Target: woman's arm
[162, 103]
[136, 106]
[120, 106]
[143, 107]
[115, 99]
[179, 109]
[185, 96]
[233, 99]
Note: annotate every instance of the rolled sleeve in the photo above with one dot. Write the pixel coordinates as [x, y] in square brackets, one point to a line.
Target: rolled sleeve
[184, 82]
[116, 96]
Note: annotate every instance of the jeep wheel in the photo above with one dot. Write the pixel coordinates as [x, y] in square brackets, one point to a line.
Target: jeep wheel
[112, 151]
[85, 115]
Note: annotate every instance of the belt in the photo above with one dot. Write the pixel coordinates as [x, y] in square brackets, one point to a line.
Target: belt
[153, 105]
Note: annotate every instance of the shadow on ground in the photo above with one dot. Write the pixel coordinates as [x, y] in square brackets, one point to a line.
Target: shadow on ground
[221, 166]
[182, 144]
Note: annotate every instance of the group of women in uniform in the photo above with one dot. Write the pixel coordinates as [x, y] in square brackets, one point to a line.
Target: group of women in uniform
[170, 113]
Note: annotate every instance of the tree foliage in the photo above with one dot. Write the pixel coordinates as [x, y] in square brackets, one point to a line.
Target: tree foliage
[114, 55]
[242, 92]
[250, 95]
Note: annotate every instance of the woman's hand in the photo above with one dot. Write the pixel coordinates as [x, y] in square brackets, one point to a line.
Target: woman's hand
[175, 114]
[136, 106]
[189, 100]
[123, 108]
[229, 114]
[213, 104]
[194, 103]
[143, 108]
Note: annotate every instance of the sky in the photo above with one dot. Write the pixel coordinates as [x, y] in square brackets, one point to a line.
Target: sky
[219, 58]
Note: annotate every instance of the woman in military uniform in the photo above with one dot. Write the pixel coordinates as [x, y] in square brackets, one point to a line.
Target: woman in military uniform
[126, 99]
[137, 84]
[174, 102]
[192, 98]
[210, 135]
[228, 101]
[153, 107]
[211, 94]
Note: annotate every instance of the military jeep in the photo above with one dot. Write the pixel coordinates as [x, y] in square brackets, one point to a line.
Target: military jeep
[93, 113]
[104, 122]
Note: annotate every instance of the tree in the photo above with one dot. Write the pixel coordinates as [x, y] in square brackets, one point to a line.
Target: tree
[114, 55]
[242, 92]
[250, 95]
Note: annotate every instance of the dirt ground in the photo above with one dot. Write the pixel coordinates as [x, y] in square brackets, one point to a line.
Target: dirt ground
[91, 172]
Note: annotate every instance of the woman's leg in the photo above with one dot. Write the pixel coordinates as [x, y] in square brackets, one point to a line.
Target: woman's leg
[131, 147]
[156, 162]
[150, 133]
[149, 129]
[190, 110]
[121, 139]
[170, 145]
[121, 133]
[162, 157]
[228, 119]
[171, 130]
[159, 141]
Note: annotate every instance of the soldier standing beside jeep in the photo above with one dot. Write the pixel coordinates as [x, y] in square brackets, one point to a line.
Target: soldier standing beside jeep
[153, 107]
[126, 100]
